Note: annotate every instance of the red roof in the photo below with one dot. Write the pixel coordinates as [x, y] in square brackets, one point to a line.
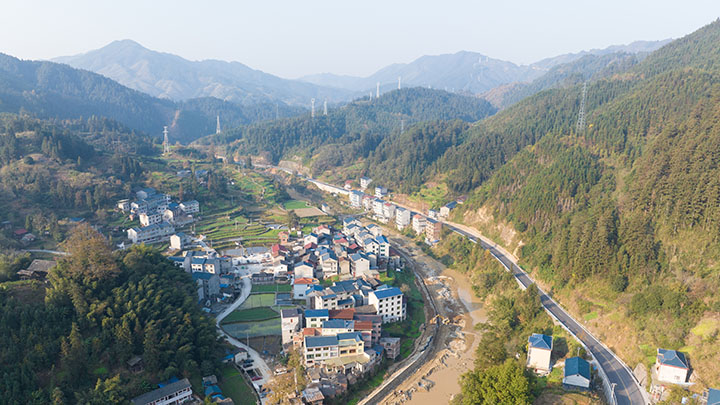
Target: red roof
[346, 314]
[310, 246]
[21, 231]
[363, 325]
[310, 332]
[304, 280]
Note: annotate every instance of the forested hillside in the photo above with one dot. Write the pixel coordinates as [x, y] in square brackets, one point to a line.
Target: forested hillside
[54, 91]
[353, 131]
[68, 341]
[622, 218]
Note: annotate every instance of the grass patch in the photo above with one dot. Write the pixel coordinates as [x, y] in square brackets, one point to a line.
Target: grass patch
[295, 204]
[409, 329]
[705, 328]
[251, 314]
[234, 385]
[590, 316]
[271, 288]
[555, 376]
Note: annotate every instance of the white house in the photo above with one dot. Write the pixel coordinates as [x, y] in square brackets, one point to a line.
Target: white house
[577, 373]
[377, 207]
[383, 249]
[179, 241]
[300, 286]
[418, 224]
[365, 182]
[190, 207]
[150, 219]
[445, 210]
[173, 393]
[318, 349]
[356, 199]
[380, 192]
[402, 218]
[359, 265]
[315, 317]
[672, 366]
[304, 270]
[539, 351]
[432, 214]
[151, 234]
[388, 212]
[388, 303]
[291, 322]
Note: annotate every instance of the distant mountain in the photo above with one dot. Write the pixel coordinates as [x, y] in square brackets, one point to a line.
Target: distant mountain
[466, 72]
[633, 47]
[588, 67]
[170, 76]
[53, 90]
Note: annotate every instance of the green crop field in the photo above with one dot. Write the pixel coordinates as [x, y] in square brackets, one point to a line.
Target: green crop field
[271, 288]
[295, 204]
[233, 385]
[259, 300]
[241, 330]
[251, 315]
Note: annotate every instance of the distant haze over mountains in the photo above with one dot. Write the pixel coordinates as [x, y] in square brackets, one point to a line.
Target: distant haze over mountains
[170, 76]
[465, 71]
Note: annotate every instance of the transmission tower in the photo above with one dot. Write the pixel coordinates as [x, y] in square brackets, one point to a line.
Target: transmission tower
[312, 108]
[402, 126]
[217, 129]
[166, 142]
[399, 82]
[580, 127]
[377, 91]
[325, 107]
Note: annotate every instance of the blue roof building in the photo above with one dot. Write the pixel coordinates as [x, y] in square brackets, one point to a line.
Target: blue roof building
[671, 358]
[387, 292]
[577, 373]
[317, 313]
[540, 341]
[320, 341]
[713, 397]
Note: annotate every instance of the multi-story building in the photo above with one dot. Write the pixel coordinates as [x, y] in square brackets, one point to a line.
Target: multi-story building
[190, 207]
[380, 192]
[388, 303]
[383, 250]
[365, 182]
[356, 199]
[208, 284]
[418, 224]
[315, 317]
[391, 346]
[388, 213]
[317, 349]
[147, 219]
[332, 327]
[402, 218]
[350, 344]
[672, 366]
[359, 265]
[433, 230]
[151, 234]
[291, 321]
[539, 352]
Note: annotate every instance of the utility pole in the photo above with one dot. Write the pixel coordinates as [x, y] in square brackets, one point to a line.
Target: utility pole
[166, 142]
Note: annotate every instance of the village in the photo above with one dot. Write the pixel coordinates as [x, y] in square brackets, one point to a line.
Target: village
[328, 295]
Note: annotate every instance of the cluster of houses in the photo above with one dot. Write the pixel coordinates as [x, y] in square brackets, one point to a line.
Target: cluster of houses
[212, 273]
[671, 366]
[338, 328]
[430, 225]
[158, 215]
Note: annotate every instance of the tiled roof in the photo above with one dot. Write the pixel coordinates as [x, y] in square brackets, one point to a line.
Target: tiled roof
[540, 341]
[316, 313]
[320, 341]
[577, 366]
[671, 358]
[387, 292]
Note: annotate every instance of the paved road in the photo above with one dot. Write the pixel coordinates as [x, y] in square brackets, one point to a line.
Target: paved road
[260, 364]
[52, 252]
[627, 389]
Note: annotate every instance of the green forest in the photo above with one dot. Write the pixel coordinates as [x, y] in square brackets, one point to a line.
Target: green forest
[68, 341]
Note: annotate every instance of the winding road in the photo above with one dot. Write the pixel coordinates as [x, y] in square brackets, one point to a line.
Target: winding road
[626, 388]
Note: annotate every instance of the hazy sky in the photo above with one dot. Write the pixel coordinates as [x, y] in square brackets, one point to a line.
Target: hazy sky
[294, 38]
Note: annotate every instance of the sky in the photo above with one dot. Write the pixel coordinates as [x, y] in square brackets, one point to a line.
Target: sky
[295, 38]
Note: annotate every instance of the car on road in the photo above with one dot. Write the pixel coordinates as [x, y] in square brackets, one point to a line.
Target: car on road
[256, 378]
